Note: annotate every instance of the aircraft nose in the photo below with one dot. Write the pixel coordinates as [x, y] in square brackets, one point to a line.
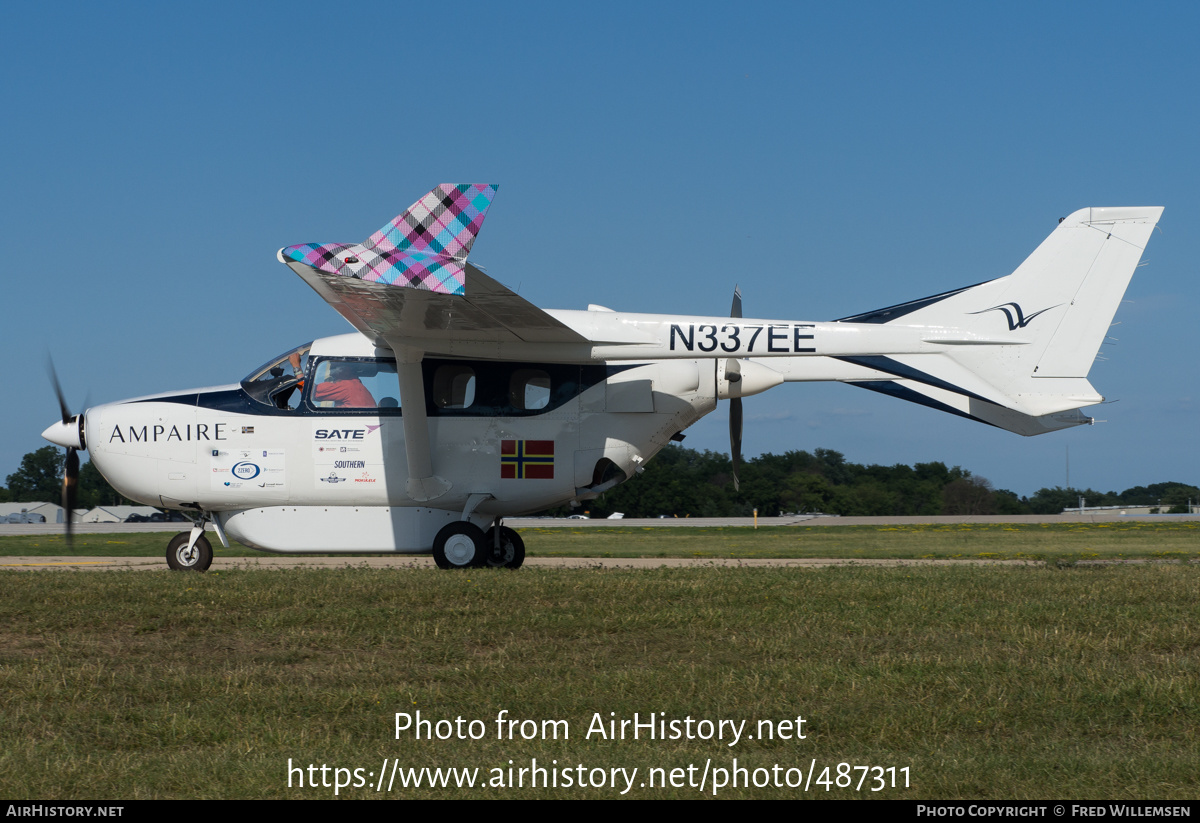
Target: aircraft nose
[65, 434]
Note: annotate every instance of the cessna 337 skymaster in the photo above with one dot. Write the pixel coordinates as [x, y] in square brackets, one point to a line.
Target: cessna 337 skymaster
[457, 402]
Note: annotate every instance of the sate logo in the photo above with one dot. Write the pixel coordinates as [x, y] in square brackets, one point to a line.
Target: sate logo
[345, 434]
[527, 459]
[1020, 321]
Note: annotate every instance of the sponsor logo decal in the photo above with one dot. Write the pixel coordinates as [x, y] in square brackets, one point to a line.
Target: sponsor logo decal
[1019, 321]
[333, 478]
[527, 459]
[339, 434]
[344, 435]
[245, 470]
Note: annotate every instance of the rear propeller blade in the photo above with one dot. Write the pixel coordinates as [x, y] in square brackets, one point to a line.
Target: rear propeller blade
[734, 372]
[735, 437]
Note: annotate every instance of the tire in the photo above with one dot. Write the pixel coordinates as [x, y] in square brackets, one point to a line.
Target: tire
[458, 545]
[512, 549]
[179, 560]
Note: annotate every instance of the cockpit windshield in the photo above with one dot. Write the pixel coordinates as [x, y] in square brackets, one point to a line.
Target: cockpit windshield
[280, 381]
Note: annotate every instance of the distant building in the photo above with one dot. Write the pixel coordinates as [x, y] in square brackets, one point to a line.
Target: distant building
[51, 511]
[1160, 509]
[116, 514]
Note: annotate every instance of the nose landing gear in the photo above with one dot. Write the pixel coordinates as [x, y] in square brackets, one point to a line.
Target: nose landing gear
[190, 551]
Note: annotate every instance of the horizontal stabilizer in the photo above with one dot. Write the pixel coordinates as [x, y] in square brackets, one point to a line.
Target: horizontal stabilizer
[976, 409]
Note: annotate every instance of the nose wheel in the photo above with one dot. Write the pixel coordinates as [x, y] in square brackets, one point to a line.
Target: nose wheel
[183, 557]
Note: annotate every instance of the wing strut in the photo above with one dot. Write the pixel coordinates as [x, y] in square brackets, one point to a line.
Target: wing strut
[423, 485]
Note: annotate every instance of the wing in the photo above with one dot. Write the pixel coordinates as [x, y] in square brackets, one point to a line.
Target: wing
[410, 281]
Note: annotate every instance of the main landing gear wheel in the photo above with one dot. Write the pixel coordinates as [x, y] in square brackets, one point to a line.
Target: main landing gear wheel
[459, 545]
[182, 560]
[512, 549]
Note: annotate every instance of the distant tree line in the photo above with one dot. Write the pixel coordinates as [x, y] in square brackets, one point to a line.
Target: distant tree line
[683, 482]
[39, 479]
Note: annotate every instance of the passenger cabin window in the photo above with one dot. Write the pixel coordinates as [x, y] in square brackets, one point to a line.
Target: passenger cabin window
[280, 382]
[488, 388]
[355, 384]
[454, 386]
[529, 389]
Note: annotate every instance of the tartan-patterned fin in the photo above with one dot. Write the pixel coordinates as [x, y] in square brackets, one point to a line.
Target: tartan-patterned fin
[424, 248]
[443, 222]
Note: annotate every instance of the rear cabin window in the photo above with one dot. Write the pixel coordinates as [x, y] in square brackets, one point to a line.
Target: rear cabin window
[454, 386]
[529, 389]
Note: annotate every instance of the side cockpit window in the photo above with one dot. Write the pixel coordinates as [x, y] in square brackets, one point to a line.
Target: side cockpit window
[280, 382]
[355, 384]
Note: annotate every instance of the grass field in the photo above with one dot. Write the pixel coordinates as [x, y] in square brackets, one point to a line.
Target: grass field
[1065, 542]
[984, 682]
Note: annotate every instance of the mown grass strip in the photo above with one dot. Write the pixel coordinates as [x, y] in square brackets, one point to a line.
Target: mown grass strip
[1065, 542]
[1017, 682]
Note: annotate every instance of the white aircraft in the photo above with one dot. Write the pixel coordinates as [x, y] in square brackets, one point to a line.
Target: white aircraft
[457, 403]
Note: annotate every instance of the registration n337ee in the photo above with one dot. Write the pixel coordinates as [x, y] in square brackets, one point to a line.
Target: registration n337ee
[458, 403]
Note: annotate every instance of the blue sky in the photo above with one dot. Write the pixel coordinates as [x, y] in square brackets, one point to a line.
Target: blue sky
[829, 158]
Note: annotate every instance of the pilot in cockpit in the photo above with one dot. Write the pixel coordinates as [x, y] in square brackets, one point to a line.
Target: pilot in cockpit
[342, 388]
